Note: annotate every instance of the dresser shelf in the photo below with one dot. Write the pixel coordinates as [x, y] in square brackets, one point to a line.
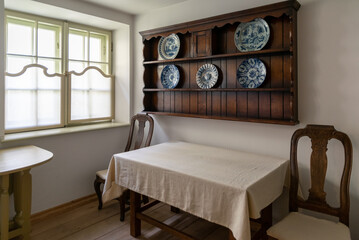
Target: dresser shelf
[229, 55]
[241, 119]
[217, 90]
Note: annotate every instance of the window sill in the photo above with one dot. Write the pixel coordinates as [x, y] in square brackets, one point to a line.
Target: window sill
[60, 131]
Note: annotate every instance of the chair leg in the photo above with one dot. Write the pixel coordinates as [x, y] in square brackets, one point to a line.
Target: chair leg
[271, 238]
[145, 199]
[97, 185]
[123, 200]
[175, 210]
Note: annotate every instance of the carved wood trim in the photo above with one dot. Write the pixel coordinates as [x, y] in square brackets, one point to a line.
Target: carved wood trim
[89, 68]
[274, 10]
[24, 69]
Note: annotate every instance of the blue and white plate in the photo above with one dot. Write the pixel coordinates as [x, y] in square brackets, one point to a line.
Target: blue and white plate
[252, 36]
[170, 76]
[207, 76]
[168, 47]
[251, 73]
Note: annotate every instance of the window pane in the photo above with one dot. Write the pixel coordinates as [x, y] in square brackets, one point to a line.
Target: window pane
[49, 105]
[100, 104]
[15, 64]
[77, 66]
[79, 105]
[95, 49]
[20, 109]
[97, 80]
[24, 81]
[45, 82]
[98, 47]
[78, 45]
[53, 65]
[90, 104]
[20, 37]
[90, 96]
[32, 100]
[79, 82]
[49, 40]
[103, 66]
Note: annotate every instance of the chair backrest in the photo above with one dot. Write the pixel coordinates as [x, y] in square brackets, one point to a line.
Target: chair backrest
[316, 201]
[139, 137]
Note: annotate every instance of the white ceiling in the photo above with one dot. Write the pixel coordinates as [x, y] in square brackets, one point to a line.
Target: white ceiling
[134, 6]
[59, 9]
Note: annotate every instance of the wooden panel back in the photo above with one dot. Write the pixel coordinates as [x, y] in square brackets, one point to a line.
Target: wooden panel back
[136, 138]
[320, 135]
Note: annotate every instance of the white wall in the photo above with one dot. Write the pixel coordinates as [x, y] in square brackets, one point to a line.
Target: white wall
[2, 66]
[77, 157]
[328, 66]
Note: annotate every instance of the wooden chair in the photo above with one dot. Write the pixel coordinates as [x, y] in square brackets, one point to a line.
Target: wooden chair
[135, 141]
[297, 225]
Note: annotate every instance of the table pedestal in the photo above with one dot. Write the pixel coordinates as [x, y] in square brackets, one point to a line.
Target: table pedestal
[15, 177]
[4, 207]
[22, 201]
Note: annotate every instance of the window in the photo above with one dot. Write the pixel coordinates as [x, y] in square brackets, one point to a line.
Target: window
[57, 74]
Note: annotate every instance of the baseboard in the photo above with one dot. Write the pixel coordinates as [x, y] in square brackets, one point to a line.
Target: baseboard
[63, 207]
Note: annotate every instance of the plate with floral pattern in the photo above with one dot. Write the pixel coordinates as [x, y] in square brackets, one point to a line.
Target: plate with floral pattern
[252, 36]
[251, 73]
[207, 76]
[170, 76]
[168, 47]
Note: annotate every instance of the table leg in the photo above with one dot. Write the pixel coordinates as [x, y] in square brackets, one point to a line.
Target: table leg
[135, 223]
[230, 235]
[22, 199]
[4, 207]
[175, 210]
[266, 216]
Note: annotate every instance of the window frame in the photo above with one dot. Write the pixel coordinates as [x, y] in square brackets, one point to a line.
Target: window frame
[90, 29]
[36, 19]
[63, 55]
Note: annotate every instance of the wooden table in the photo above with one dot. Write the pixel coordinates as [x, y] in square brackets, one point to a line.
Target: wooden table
[15, 166]
[220, 185]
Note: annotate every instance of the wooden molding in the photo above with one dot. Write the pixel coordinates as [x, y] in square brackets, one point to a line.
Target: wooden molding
[62, 208]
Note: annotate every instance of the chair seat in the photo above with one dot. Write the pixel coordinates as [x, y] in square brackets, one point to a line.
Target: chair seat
[297, 226]
[102, 174]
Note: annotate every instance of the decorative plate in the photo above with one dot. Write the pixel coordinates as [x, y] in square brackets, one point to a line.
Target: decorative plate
[169, 46]
[251, 73]
[170, 76]
[252, 36]
[207, 76]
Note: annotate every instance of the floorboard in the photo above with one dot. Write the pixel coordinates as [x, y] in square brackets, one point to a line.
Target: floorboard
[88, 223]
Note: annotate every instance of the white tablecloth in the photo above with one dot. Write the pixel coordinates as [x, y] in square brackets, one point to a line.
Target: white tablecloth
[220, 185]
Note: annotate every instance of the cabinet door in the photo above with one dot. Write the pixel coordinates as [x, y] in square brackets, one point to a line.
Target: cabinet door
[202, 43]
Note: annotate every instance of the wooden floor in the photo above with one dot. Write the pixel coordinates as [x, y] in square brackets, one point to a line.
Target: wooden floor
[86, 222]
